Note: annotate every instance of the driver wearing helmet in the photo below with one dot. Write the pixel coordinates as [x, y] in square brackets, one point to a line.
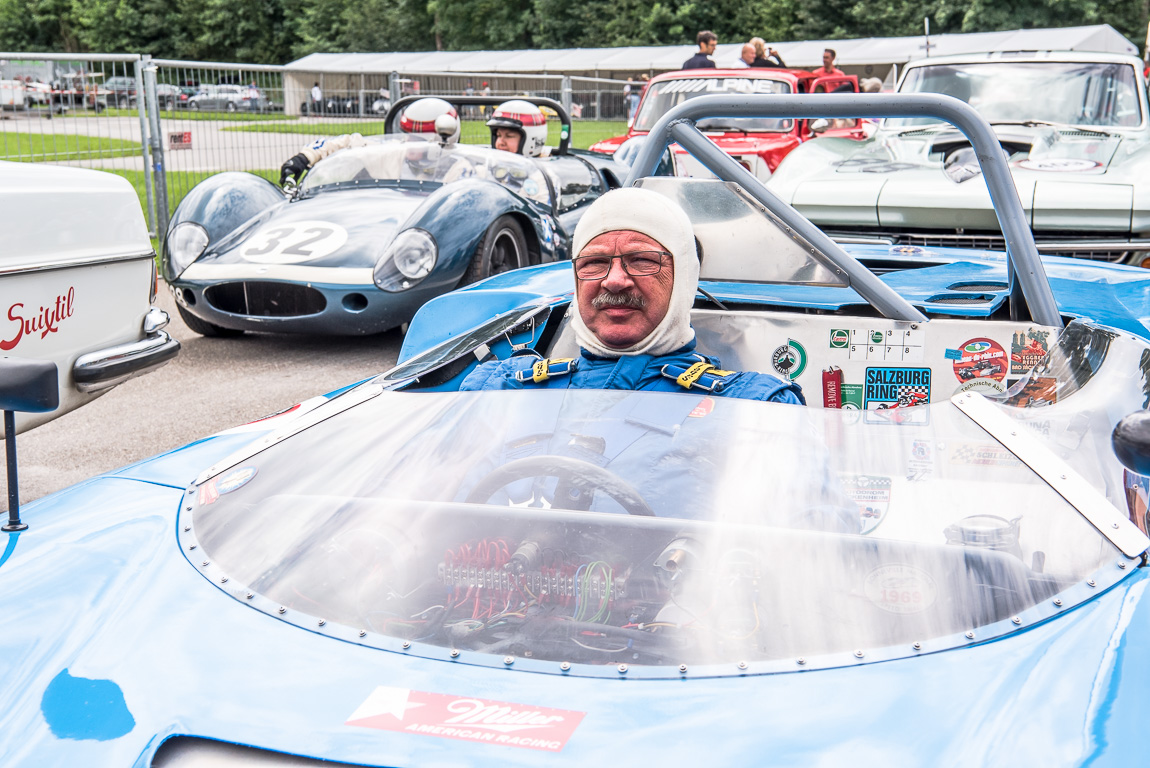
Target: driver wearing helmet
[636, 275]
[520, 127]
[431, 120]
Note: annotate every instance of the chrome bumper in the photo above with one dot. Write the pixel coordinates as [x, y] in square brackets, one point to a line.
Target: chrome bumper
[97, 371]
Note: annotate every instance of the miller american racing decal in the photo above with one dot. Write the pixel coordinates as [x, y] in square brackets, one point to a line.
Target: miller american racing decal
[24, 322]
[466, 718]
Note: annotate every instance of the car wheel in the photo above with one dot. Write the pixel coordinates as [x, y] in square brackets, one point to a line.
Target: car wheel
[194, 106]
[231, 106]
[502, 249]
[203, 327]
[124, 102]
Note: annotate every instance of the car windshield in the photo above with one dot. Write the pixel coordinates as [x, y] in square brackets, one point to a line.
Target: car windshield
[1065, 93]
[405, 159]
[662, 96]
[605, 527]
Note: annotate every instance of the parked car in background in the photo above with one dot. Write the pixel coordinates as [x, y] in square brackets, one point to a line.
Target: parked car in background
[228, 98]
[370, 234]
[77, 280]
[169, 96]
[122, 91]
[1074, 127]
[13, 95]
[758, 144]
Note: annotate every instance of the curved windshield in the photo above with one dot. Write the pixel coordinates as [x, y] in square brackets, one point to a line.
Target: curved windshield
[605, 526]
[404, 159]
[661, 97]
[1013, 92]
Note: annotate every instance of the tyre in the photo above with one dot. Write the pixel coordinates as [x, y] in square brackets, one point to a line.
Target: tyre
[123, 102]
[502, 249]
[203, 327]
[231, 106]
[194, 106]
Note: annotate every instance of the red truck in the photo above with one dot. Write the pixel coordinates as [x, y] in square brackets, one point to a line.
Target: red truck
[758, 144]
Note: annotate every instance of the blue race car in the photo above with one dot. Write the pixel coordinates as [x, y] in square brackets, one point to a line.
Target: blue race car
[372, 233]
[401, 574]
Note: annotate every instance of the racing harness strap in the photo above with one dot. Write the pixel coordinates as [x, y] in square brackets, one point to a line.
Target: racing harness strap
[701, 375]
[544, 369]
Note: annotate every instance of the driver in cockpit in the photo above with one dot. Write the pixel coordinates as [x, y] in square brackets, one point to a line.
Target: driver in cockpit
[636, 275]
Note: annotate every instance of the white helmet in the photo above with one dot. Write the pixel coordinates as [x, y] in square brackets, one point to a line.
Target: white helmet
[527, 119]
[420, 119]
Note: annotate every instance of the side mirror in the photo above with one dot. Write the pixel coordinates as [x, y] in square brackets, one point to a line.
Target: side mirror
[1131, 441]
[32, 386]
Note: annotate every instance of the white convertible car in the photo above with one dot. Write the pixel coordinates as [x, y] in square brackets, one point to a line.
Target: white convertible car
[77, 281]
[1074, 129]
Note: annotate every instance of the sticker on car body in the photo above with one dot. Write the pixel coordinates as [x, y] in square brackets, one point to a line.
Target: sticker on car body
[466, 718]
[293, 243]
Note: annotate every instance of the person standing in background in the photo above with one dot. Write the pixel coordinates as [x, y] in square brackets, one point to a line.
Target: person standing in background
[702, 58]
[762, 52]
[828, 67]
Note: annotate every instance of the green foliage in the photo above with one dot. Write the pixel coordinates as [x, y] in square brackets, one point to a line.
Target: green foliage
[277, 31]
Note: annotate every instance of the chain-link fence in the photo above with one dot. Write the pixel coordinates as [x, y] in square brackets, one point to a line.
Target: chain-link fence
[166, 125]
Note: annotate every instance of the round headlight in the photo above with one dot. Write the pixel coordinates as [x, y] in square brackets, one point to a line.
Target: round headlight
[186, 242]
[409, 259]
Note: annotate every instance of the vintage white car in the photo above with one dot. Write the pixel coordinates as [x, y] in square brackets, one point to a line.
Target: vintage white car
[1074, 128]
[77, 281]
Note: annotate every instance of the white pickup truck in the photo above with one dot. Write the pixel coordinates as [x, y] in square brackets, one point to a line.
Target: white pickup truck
[77, 281]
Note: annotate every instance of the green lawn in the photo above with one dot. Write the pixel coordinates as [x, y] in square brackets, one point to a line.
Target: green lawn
[193, 114]
[34, 147]
[583, 133]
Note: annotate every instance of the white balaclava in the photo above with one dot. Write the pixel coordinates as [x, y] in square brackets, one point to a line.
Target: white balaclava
[647, 212]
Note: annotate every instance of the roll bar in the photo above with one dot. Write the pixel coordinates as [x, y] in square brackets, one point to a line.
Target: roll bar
[678, 125]
[391, 121]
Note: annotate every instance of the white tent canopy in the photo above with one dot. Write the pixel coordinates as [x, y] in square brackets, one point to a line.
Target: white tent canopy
[877, 53]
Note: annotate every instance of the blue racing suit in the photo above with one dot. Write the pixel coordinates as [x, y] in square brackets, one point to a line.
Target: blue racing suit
[682, 371]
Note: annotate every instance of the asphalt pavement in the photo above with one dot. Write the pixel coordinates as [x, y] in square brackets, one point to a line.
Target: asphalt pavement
[213, 384]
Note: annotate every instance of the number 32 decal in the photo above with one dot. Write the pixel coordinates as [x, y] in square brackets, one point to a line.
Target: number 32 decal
[293, 243]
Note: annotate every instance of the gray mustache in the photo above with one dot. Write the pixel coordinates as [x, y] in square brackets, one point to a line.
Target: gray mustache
[607, 299]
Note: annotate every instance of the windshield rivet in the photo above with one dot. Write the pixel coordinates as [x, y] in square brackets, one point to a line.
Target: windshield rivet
[187, 528]
[406, 644]
[190, 490]
[282, 610]
[205, 563]
[913, 326]
[565, 666]
[859, 654]
[622, 669]
[322, 622]
[249, 595]
[1122, 566]
[800, 661]
[970, 635]
[682, 669]
[1015, 434]
[454, 653]
[1114, 526]
[1017, 620]
[742, 665]
[1062, 476]
[187, 509]
[917, 646]
[191, 547]
[509, 660]
[1090, 583]
[363, 633]
[223, 579]
[1058, 601]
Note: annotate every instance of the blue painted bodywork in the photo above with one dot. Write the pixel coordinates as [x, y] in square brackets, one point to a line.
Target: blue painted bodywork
[114, 642]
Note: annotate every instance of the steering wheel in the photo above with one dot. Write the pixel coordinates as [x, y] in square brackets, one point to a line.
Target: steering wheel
[577, 473]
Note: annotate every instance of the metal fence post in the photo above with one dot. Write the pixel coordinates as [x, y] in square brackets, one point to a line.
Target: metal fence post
[141, 102]
[393, 86]
[157, 145]
[565, 93]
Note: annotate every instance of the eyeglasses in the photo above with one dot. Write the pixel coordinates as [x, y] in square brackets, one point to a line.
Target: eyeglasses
[637, 264]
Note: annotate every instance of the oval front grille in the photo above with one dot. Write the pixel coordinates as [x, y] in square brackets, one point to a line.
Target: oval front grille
[261, 298]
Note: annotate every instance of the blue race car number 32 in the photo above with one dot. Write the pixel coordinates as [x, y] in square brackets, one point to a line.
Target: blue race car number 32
[294, 243]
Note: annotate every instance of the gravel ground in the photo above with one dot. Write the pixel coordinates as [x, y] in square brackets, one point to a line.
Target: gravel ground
[213, 384]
